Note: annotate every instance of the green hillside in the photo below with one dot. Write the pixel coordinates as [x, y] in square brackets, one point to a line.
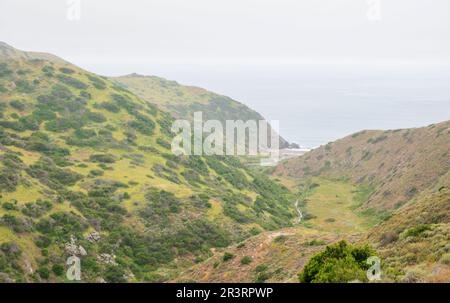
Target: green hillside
[182, 101]
[86, 169]
[385, 189]
[401, 181]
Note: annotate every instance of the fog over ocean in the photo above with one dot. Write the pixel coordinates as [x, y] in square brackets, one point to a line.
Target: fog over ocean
[319, 103]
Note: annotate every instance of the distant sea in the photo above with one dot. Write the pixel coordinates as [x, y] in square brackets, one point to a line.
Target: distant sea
[319, 103]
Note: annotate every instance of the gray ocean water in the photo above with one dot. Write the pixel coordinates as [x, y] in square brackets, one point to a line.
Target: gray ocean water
[316, 104]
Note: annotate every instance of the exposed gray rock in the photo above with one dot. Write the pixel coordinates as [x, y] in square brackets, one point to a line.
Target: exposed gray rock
[74, 249]
[93, 237]
[4, 278]
[107, 259]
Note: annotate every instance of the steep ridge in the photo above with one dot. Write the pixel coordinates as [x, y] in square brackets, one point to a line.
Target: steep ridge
[182, 101]
[86, 169]
[394, 165]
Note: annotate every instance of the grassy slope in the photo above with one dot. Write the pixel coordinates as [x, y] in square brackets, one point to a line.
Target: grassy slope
[284, 253]
[360, 189]
[63, 117]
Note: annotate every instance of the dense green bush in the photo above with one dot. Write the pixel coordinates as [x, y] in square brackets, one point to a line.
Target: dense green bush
[416, 230]
[24, 86]
[43, 272]
[37, 208]
[61, 225]
[58, 270]
[227, 256]
[102, 158]
[160, 204]
[246, 260]
[234, 176]
[48, 173]
[109, 106]
[66, 70]
[4, 70]
[340, 262]
[97, 82]
[72, 82]
[17, 105]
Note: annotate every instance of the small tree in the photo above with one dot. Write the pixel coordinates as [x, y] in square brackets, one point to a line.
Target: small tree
[340, 262]
[246, 260]
[227, 256]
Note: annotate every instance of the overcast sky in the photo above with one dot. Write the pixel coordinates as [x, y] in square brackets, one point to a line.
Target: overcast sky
[230, 31]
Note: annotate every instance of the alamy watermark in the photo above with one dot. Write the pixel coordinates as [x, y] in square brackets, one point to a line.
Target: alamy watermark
[235, 138]
[74, 269]
[374, 272]
[73, 12]
[373, 10]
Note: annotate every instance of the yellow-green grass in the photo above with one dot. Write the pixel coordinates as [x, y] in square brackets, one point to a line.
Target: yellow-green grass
[332, 204]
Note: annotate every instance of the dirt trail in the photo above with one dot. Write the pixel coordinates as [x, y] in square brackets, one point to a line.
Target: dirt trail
[300, 214]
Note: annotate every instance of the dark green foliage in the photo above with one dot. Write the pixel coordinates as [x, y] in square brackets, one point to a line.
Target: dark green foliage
[66, 70]
[234, 176]
[262, 277]
[227, 256]
[85, 95]
[18, 225]
[160, 204]
[17, 105]
[340, 262]
[61, 225]
[142, 124]
[10, 254]
[89, 137]
[163, 143]
[8, 180]
[114, 274]
[166, 173]
[48, 173]
[23, 86]
[4, 70]
[417, 230]
[94, 117]
[197, 164]
[11, 250]
[109, 106]
[96, 172]
[43, 242]
[377, 139]
[261, 268]
[43, 272]
[43, 114]
[199, 235]
[230, 209]
[246, 260]
[165, 124]
[123, 102]
[9, 206]
[48, 70]
[58, 270]
[10, 173]
[37, 208]
[201, 201]
[102, 158]
[40, 142]
[97, 82]
[72, 82]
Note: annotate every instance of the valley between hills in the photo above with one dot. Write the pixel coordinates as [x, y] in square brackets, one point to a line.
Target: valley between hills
[86, 170]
